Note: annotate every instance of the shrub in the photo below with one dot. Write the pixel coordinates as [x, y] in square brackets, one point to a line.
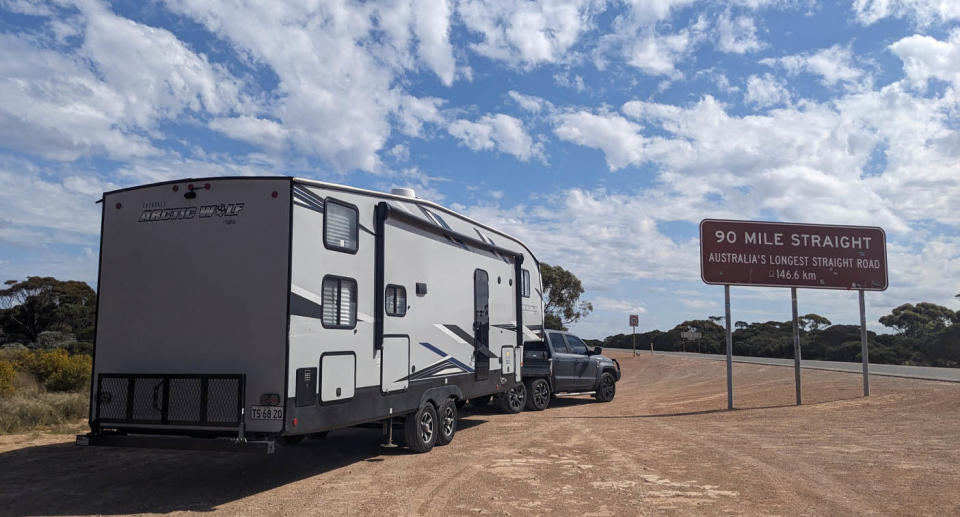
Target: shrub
[7, 377]
[25, 411]
[57, 370]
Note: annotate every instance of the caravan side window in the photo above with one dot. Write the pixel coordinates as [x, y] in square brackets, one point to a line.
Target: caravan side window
[525, 283]
[339, 302]
[341, 230]
[396, 300]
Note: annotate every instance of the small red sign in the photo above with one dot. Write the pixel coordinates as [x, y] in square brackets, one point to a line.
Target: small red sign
[793, 255]
[634, 320]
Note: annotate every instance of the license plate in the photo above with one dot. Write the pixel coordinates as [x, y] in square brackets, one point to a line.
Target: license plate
[266, 413]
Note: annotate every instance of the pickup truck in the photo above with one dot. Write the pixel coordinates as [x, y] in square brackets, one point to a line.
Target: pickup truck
[563, 363]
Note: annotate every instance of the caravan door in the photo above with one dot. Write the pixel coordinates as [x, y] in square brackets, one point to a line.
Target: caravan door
[395, 363]
[481, 324]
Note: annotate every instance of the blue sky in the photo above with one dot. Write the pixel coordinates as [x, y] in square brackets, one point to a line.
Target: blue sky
[598, 132]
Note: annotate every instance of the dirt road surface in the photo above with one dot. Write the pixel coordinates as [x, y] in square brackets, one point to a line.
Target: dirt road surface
[664, 446]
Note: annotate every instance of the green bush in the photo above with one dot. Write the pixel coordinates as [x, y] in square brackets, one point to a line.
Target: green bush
[7, 377]
[57, 370]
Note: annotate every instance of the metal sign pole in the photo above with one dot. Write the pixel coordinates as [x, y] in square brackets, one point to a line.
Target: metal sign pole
[796, 341]
[864, 351]
[726, 296]
[634, 341]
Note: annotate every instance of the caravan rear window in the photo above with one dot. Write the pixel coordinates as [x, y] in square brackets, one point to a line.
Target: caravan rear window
[340, 227]
[525, 283]
[339, 302]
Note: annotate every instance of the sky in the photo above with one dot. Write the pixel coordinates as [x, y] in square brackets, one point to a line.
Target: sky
[600, 133]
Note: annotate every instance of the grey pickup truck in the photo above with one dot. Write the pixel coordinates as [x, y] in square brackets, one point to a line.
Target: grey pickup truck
[563, 363]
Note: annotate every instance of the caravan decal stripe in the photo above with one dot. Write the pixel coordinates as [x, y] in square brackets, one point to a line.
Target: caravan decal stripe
[308, 207]
[446, 355]
[300, 306]
[308, 194]
[460, 333]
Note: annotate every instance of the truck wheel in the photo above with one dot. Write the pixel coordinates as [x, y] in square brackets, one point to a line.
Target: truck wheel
[420, 429]
[514, 399]
[607, 388]
[538, 395]
[448, 422]
[481, 401]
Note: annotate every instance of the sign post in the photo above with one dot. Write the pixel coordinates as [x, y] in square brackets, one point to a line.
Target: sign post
[634, 321]
[796, 340]
[726, 306]
[863, 347]
[754, 253]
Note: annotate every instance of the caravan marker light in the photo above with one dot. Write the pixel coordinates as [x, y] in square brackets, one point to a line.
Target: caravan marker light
[274, 194]
[176, 188]
[295, 422]
[118, 206]
[206, 186]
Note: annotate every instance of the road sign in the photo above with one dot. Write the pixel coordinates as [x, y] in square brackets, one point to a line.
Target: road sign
[690, 334]
[634, 320]
[793, 255]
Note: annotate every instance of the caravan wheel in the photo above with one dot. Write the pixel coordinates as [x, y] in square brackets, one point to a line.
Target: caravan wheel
[448, 422]
[514, 399]
[420, 429]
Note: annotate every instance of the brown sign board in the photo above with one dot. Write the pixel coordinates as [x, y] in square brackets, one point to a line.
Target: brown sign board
[793, 255]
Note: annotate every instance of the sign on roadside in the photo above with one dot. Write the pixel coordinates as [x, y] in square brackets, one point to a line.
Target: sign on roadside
[793, 255]
[634, 320]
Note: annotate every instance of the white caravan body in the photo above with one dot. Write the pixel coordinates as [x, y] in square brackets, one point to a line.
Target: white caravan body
[265, 307]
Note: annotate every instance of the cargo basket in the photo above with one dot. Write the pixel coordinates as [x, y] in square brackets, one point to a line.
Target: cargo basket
[170, 399]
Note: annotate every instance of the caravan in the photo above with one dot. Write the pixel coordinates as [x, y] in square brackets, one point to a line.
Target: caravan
[235, 313]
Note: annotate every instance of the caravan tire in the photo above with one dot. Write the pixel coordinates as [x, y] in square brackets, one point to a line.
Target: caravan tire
[481, 401]
[538, 395]
[421, 428]
[448, 420]
[513, 400]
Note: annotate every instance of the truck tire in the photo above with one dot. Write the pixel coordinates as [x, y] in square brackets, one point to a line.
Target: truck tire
[447, 418]
[513, 400]
[607, 388]
[538, 394]
[481, 401]
[420, 429]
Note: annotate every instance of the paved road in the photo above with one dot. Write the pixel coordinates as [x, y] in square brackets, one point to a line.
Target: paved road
[889, 370]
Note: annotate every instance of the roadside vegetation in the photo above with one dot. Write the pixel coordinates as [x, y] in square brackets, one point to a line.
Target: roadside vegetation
[925, 334]
[46, 342]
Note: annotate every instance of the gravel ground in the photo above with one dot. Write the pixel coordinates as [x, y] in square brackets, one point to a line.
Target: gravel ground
[664, 446]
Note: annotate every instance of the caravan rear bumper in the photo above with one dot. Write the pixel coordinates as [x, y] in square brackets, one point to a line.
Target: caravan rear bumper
[177, 443]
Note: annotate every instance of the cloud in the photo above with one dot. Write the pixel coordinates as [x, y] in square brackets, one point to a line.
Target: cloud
[926, 58]
[525, 34]
[834, 65]
[737, 35]
[766, 90]
[921, 12]
[530, 103]
[618, 138]
[497, 132]
[624, 306]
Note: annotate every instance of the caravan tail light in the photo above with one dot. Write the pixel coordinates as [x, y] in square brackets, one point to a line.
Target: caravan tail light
[270, 399]
[274, 194]
[206, 186]
[176, 188]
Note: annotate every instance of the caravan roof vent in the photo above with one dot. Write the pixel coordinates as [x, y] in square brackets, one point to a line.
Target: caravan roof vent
[404, 192]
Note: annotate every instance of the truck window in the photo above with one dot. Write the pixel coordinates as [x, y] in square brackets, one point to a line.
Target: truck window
[556, 341]
[339, 310]
[576, 345]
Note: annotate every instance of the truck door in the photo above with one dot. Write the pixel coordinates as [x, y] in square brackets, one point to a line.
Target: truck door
[585, 370]
[481, 324]
[564, 363]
